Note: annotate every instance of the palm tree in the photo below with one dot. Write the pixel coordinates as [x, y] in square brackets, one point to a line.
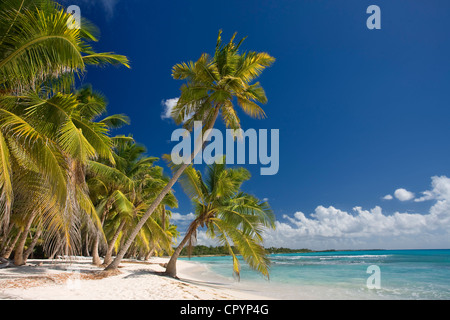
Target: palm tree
[69, 125]
[36, 47]
[44, 139]
[235, 218]
[212, 86]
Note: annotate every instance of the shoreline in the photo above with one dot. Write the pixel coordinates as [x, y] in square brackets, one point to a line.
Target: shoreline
[78, 279]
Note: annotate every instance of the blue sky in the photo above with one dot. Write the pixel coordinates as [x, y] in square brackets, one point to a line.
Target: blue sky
[361, 113]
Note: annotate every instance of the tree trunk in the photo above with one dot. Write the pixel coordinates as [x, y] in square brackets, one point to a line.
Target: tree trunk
[171, 269]
[149, 254]
[86, 245]
[115, 264]
[18, 254]
[133, 253]
[30, 249]
[95, 257]
[163, 220]
[5, 240]
[108, 256]
[9, 250]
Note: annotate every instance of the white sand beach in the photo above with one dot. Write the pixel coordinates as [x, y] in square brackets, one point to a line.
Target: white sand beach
[78, 279]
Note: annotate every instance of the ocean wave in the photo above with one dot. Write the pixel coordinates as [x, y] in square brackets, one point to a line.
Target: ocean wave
[360, 256]
[320, 257]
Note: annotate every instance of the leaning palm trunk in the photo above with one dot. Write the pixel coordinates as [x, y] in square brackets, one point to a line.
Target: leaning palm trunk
[4, 240]
[149, 254]
[108, 256]
[33, 243]
[171, 269]
[95, 256]
[11, 247]
[159, 198]
[18, 254]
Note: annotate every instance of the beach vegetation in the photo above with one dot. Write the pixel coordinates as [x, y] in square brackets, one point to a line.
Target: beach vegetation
[69, 186]
[66, 183]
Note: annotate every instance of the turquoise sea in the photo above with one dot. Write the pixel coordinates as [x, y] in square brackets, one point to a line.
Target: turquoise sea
[399, 274]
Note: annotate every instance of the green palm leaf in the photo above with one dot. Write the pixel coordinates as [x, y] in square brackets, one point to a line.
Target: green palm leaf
[6, 196]
[38, 45]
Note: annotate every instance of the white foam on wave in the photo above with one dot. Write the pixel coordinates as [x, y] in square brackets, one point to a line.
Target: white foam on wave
[330, 257]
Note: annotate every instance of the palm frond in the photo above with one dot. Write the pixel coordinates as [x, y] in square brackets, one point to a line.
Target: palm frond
[191, 181]
[37, 45]
[6, 196]
[116, 121]
[110, 174]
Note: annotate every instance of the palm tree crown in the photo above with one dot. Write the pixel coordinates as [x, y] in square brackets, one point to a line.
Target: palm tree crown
[217, 81]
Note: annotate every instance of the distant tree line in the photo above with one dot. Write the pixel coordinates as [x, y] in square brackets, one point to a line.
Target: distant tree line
[287, 250]
[201, 250]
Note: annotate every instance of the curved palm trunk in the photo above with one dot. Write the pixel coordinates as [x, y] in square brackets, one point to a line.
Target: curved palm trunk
[10, 249]
[149, 254]
[18, 254]
[95, 256]
[108, 256]
[5, 240]
[30, 249]
[171, 269]
[115, 264]
[86, 245]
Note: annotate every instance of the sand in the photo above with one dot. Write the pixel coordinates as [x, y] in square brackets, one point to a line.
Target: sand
[78, 279]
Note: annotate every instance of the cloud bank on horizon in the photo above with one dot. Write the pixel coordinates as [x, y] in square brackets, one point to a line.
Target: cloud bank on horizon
[332, 228]
[329, 227]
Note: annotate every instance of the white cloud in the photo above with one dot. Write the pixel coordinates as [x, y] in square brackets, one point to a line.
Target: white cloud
[426, 196]
[168, 105]
[182, 217]
[403, 194]
[332, 228]
[388, 197]
[440, 191]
